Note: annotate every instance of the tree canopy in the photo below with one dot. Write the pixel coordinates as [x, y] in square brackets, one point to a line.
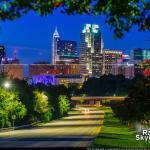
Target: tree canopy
[136, 106]
[11, 107]
[107, 85]
[64, 104]
[40, 102]
[120, 15]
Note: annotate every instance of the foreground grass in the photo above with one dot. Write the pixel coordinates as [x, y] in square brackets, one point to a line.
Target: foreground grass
[114, 134]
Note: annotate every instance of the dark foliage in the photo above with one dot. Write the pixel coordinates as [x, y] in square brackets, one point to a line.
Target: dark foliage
[136, 106]
[120, 15]
[107, 85]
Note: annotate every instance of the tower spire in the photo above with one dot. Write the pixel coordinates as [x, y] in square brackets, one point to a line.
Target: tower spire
[56, 34]
[56, 38]
[56, 29]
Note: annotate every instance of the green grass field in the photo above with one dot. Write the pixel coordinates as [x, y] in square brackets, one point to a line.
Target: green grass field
[114, 134]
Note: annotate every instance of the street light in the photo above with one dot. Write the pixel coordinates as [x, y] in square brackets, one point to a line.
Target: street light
[7, 85]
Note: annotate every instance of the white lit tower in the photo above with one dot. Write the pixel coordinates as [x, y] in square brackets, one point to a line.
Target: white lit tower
[55, 40]
[102, 44]
[91, 51]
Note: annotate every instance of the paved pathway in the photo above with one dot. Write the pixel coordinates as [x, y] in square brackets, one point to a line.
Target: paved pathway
[75, 130]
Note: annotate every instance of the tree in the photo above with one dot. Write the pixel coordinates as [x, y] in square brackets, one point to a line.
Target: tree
[107, 85]
[53, 93]
[26, 97]
[11, 108]
[74, 89]
[3, 76]
[139, 97]
[41, 106]
[120, 15]
[136, 106]
[64, 105]
[40, 102]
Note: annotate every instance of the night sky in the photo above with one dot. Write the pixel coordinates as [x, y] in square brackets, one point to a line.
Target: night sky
[31, 35]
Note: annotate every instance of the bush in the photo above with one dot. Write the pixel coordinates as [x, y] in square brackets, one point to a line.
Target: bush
[64, 105]
[11, 108]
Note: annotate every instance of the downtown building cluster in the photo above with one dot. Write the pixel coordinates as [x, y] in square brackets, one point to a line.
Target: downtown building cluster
[93, 60]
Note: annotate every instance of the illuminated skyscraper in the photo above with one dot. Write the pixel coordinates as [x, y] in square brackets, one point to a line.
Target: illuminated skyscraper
[67, 51]
[63, 51]
[2, 53]
[139, 54]
[67, 48]
[91, 45]
[56, 38]
[109, 58]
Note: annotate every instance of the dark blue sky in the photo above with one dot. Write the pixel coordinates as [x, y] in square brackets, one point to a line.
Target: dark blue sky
[31, 35]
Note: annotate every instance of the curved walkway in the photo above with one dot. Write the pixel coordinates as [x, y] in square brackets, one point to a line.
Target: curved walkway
[76, 130]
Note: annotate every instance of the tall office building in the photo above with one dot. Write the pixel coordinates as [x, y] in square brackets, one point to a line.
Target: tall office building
[140, 54]
[124, 66]
[109, 58]
[2, 53]
[55, 40]
[67, 52]
[63, 51]
[91, 45]
[67, 48]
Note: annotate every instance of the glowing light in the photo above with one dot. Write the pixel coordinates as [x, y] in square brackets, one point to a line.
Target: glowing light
[45, 79]
[95, 28]
[7, 85]
[86, 111]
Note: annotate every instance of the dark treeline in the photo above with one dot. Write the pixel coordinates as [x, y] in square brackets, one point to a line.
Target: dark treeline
[135, 108]
[109, 85]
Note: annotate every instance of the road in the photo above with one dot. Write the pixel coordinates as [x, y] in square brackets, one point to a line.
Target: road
[76, 130]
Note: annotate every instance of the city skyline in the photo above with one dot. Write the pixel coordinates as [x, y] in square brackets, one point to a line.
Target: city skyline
[35, 36]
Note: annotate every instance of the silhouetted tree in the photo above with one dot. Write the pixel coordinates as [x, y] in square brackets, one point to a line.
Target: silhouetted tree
[136, 106]
[120, 15]
[26, 97]
[107, 85]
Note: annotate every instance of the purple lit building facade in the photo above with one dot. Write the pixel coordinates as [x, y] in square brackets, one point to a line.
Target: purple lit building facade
[56, 79]
[44, 79]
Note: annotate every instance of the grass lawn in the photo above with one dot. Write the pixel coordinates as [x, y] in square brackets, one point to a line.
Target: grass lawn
[114, 134]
